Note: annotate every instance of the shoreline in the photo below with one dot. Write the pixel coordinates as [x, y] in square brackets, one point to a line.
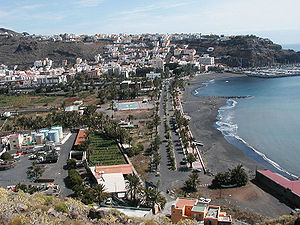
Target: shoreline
[219, 155]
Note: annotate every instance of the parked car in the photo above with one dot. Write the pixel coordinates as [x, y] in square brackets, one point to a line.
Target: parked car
[108, 201]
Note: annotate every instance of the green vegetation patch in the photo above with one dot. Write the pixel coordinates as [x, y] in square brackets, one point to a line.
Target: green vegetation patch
[104, 151]
[14, 100]
[47, 100]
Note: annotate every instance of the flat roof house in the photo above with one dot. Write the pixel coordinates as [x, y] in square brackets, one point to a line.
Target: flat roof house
[200, 210]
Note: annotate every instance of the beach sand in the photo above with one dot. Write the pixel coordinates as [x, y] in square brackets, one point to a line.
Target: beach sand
[219, 155]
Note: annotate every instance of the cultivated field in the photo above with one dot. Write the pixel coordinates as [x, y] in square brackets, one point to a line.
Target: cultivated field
[104, 152]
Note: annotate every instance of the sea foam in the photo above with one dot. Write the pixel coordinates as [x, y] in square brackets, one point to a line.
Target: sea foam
[229, 129]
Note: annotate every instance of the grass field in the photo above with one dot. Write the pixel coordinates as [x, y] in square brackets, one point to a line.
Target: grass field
[47, 100]
[14, 100]
[105, 152]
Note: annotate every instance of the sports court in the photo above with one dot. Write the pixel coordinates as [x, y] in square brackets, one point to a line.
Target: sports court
[128, 106]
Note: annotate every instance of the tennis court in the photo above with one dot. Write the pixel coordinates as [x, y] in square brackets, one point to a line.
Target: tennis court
[128, 106]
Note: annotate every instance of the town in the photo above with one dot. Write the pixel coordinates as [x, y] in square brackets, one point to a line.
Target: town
[112, 132]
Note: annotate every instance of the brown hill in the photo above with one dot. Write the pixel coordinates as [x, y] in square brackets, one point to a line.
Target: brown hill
[244, 51]
[21, 50]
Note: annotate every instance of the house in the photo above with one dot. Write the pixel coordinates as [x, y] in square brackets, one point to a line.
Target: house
[157, 63]
[16, 141]
[200, 210]
[153, 75]
[112, 177]
[206, 60]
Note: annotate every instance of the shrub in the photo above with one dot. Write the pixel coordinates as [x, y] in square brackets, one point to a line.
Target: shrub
[6, 156]
[71, 164]
[74, 178]
[61, 207]
[236, 176]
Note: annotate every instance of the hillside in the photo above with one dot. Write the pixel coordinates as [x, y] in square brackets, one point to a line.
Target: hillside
[22, 50]
[244, 51]
[21, 208]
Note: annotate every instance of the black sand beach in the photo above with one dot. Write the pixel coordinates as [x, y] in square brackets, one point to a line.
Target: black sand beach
[219, 155]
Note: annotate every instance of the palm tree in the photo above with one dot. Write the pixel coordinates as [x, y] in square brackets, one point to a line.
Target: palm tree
[156, 121]
[191, 183]
[130, 117]
[99, 190]
[190, 158]
[133, 185]
[152, 196]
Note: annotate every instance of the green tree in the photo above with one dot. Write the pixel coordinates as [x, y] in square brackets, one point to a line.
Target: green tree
[74, 178]
[238, 176]
[156, 159]
[133, 185]
[191, 183]
[6, 156]
[99, 189]
[88, 196]
[221, 179]
[130, 117]
[153, 196]
[156, 121]
[71, 164]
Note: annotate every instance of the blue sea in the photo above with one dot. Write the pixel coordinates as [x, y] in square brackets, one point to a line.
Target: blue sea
[266, 125]
[295, 47]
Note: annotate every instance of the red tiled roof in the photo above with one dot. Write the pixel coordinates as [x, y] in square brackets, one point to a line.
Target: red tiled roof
[181, 202]
[292, 185]
[123, 168]
[81, 136]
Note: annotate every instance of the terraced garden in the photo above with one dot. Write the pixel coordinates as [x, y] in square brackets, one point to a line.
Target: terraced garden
[104, 152]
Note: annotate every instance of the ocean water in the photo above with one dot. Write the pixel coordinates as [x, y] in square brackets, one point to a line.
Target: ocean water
[266, 125]
[295, 47]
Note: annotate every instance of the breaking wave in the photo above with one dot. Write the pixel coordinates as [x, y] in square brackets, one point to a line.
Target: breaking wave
[229, 129]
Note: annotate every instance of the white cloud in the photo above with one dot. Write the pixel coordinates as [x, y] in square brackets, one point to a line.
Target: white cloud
[89, 3]
[30, 7]
[157, 6]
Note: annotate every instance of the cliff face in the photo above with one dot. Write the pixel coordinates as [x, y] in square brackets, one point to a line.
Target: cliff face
[244, 51]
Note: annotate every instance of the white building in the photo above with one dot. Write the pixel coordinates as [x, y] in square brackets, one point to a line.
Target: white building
[190, 52]
[78, 60]
[48, 79]
[153, 75]
[207, 60]
[177, 51]
[16, 141]
[157, 63]
[38, 63]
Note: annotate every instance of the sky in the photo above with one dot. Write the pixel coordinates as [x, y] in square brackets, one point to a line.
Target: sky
[275, 19]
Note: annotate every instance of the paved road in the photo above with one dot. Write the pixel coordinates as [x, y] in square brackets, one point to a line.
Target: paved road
[56, 171]
[17, 174]
[169, 179]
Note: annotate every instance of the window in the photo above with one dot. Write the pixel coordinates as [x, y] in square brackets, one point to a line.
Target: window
[174, 212]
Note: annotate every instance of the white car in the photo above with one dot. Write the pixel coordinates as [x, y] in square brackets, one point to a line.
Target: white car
[108, 201]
